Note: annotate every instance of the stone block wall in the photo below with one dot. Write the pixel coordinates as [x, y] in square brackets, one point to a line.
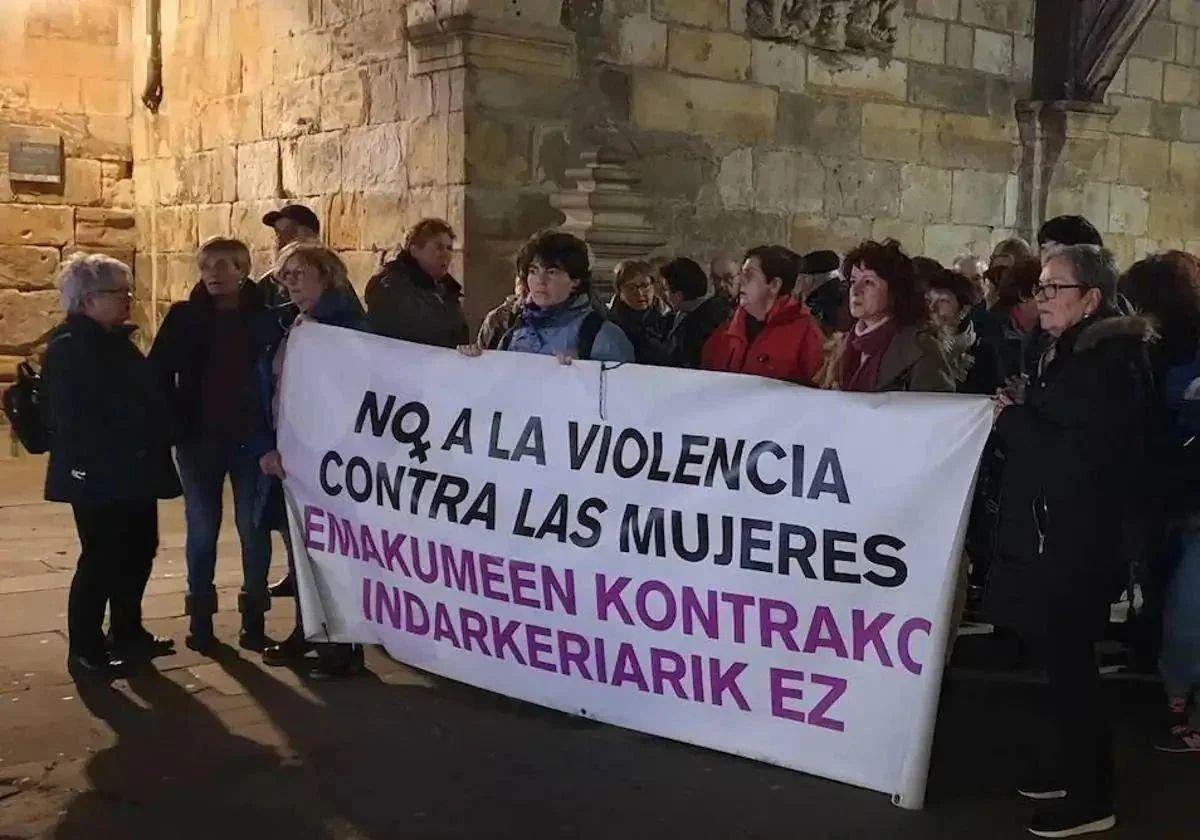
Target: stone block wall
[1137, 173]
[270, 101]
[64, 73]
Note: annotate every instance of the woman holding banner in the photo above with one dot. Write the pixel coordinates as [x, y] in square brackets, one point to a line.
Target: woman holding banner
[890, 347]
[558, 318]
[317, 282]
[1075, 442]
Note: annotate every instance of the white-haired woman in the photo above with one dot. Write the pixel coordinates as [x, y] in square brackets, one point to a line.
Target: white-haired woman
[110, 459]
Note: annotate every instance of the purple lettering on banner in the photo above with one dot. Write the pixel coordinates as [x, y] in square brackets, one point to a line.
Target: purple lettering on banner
[667, 666]
[413, 604]
[669, 609]
[537, 647]
[430, 554]
[391, 552]
[781, 691]
[722, 682]
[871, 634]
[503, 639]
[823, 632]
[817, 717]
[564, 589]
[460, 573]
[573, 650]
[607, 596]
[520, 575]
[739, 603]
[627, 668]
[707, 615]
[366, 598]
[601, 661]
[370, 554]
[342, 532]
[442, 627]
[697, 672]
[388, 606]
[909, 627]
[491, 577]
[312, 526]
[784, 626]
[474, 629]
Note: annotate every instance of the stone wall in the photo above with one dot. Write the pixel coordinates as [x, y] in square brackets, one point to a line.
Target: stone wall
[741, 139]
[64, 73]
[289, 100]
[1138, 173]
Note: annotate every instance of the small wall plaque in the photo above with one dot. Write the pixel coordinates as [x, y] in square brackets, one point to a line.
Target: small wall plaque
[37, 161]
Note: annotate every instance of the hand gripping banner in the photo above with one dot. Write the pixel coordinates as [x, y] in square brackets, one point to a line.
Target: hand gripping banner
[734, 562]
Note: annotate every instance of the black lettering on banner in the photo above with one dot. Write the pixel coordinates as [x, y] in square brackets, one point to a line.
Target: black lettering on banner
[897, 566]
[531, 443]
[688, 458]
[654, 531]
[588, 534]
[415, 437]
[834, 555]
[802, 554]
[335, 459]
[829, 477]
[771, 488]
[369, 410]
[460, 433]
[750, 543]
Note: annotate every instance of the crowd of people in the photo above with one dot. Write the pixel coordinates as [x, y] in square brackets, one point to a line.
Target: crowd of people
[1087, 487]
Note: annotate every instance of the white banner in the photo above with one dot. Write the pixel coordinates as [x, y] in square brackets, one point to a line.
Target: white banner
[734, 562]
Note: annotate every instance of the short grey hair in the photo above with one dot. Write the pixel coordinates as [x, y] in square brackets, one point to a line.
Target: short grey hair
[86, 274]
[1091, 265]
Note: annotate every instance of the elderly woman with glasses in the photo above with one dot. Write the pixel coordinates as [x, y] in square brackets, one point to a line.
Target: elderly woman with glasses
[110, 459]
[1077, 472]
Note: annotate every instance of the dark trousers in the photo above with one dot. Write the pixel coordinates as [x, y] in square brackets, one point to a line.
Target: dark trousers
[1075, 747]
[118, 542]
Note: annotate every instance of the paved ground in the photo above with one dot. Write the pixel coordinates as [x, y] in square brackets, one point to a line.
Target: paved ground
[198, 748]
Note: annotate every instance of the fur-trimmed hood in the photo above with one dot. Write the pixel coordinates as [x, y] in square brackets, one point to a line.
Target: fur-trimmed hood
[1119, 326]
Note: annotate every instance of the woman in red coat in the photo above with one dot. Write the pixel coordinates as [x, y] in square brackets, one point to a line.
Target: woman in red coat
[770, 334]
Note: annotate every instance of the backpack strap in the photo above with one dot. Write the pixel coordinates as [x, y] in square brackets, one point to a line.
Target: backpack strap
[506, 339]
[588, 330]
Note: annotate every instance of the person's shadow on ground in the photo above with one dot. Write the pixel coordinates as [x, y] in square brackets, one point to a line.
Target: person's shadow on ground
[174, 758]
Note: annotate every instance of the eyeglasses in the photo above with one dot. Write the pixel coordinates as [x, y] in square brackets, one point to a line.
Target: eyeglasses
[1049, 291]
[126, 292]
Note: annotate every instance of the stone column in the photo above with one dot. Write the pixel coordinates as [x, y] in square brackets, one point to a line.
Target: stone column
[1069, 160]
[508, 70]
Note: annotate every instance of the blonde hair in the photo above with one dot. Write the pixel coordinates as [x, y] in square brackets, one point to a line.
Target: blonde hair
[223, 246]
[327, 263]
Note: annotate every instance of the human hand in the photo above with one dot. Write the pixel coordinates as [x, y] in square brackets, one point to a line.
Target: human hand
[471, 351]
[272, 464]
[564, 358]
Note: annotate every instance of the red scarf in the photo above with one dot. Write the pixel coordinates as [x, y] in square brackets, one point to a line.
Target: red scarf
[862, 374]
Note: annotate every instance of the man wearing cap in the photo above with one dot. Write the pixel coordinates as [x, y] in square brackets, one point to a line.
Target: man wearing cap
[822, 290]
[291, 222]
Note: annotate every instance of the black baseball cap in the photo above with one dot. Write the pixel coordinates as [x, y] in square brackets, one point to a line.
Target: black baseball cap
[298, 213]
[821, 262]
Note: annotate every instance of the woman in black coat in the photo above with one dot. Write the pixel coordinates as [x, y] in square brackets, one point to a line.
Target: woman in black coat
[1076, 467]
[110, 459]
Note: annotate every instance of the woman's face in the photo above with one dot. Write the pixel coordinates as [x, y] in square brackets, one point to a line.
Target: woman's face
[434, 255]
[637, 293]
[221, 275]
[110, 306]
[303, 283]
[549, 285]
[869, 299]
[758, 294]
[1062, 301]
[944, 309]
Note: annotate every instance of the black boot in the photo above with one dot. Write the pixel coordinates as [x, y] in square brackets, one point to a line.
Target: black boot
[200, 607]
[254, 633]
[286, 588]
[291, 650]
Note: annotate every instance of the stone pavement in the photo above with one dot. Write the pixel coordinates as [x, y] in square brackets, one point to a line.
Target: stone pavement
[197, 748]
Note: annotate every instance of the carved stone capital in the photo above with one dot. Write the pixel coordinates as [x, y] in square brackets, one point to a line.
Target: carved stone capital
[492, 44]
[827, 24]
